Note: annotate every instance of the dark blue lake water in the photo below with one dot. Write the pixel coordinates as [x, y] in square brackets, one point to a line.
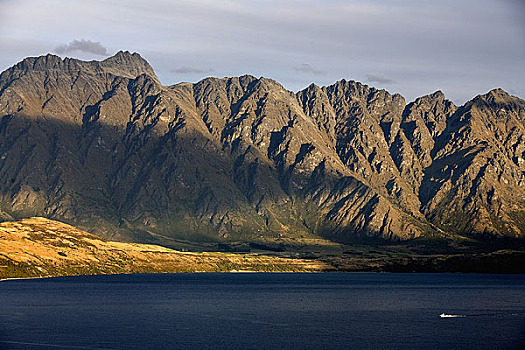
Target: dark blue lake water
[264, 311]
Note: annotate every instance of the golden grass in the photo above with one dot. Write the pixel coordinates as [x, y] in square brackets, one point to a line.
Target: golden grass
[42, 247]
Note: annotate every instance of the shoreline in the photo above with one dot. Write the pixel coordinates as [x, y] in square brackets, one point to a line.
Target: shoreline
[237, 272]
[26, 278]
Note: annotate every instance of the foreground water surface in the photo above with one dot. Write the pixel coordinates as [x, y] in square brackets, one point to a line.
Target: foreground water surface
[264, 311]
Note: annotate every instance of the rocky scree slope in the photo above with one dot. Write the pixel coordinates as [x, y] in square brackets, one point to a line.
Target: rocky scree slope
[104, 146]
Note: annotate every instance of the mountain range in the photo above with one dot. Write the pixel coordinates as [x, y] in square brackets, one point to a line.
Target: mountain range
[103, 145]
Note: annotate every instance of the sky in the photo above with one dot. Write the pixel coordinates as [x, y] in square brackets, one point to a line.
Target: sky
[412, 47]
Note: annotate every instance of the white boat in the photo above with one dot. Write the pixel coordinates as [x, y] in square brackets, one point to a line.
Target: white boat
[444, 315]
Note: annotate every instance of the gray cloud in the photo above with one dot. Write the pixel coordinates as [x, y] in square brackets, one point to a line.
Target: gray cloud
[192, 70]
[378, 78]
[82, 45]
[306, 68]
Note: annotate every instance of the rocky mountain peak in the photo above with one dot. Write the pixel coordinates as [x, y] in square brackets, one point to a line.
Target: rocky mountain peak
[349, 92]
[129, 65]
[349, 89]
[123, 64]
[437, 95]
[498, 93]
[495, 97]
[46, 62]
[498, 105]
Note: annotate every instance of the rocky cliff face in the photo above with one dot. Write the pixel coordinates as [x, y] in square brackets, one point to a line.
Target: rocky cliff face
[103, 145]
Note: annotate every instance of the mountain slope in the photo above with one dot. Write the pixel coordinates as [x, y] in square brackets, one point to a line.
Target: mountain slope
[103, 145]
[40, 247]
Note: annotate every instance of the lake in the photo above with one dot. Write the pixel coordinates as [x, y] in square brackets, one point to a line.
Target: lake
[264, 311]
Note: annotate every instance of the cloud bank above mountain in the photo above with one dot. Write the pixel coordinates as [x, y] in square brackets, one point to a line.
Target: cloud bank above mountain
[419, 46]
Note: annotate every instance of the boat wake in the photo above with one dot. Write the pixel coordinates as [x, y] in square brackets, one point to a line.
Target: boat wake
[444, 315]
